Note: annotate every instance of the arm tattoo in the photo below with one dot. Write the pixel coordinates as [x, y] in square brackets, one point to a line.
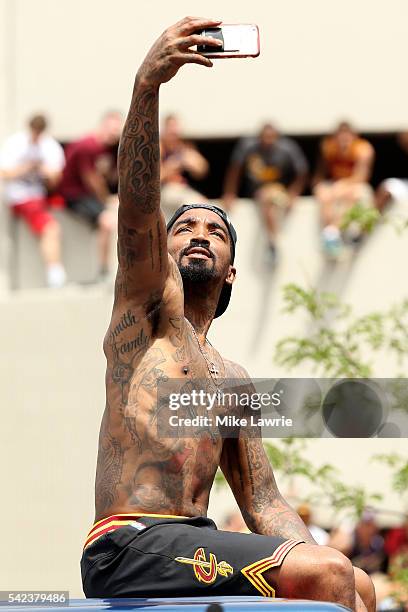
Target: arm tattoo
[159, 236]
[109, 466]
[266, 511]
[151, 248]
[139, 153]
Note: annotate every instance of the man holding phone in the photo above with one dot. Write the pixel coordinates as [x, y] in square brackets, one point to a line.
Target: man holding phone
[152, 537]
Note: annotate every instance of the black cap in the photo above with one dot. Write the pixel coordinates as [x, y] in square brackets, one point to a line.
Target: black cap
[225, 295]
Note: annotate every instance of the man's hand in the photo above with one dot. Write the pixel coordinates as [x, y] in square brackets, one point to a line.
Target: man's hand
[172, 50]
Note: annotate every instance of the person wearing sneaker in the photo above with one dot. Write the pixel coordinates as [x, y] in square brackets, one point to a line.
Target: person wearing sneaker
[31, 164]
[274, 170]
[341, 181]
[86, 182]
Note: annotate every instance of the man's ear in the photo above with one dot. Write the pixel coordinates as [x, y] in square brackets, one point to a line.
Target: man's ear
[232, 273]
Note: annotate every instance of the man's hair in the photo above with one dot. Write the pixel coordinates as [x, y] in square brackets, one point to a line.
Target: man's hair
[268, 125]
[344, 125]
[157, 465]
[38, 123]
[170, 117]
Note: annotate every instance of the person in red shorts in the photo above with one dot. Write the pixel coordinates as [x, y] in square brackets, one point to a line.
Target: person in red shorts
[90, 169]
[31, 164]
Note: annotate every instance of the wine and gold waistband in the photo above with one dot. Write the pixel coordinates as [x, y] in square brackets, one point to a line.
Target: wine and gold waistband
[110, 523]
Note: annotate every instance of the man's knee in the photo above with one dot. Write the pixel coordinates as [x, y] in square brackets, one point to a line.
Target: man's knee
[323, 194]
[365, 588]
[106, 221]
[337, 564]
[317, 572]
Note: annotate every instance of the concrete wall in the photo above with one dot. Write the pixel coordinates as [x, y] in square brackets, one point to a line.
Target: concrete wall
[79, 248]
[52, 390]
[319, 62]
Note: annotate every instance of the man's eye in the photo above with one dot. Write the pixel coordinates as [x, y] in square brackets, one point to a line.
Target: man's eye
[182, 229]
[219, 234]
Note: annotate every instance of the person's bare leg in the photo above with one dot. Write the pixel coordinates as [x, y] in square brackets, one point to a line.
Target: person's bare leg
[270, 217]
[50, 243]
[324, 196]
[382, 197]
[265, 198]
[365, 588]
[106, 225]
[347, 196]
[318, 573]
[50, 247]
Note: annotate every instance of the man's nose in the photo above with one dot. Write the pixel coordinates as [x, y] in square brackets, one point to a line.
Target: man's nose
[200, 236]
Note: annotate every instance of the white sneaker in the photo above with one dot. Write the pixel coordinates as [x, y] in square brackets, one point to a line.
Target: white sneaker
[56, 276]
[332, 241]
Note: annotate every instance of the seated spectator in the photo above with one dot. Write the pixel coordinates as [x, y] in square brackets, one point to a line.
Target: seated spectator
[367, 551]
[318, 534]
[394, 189]
[274, 169]
[341, 181]
[31, 163]
[180, 161]
[396, 540]
[85, 185]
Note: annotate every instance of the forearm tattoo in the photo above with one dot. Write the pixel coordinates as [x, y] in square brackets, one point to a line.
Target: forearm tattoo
[139, 153]
[267, 512]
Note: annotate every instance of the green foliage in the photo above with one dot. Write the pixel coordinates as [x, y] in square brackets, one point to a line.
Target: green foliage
[289, 461]
[399, 466]
[342, 351]
[345, 498]
[327, 488]
[364, 217]
[399, 574]
[316, 304]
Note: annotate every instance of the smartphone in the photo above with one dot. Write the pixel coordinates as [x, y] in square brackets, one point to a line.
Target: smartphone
[239, 40]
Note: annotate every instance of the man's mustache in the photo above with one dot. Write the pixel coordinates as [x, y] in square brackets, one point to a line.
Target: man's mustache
[195, 245]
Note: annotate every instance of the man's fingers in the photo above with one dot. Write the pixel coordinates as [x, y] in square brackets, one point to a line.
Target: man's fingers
[196, 39]
[189, 25]
[192, 57]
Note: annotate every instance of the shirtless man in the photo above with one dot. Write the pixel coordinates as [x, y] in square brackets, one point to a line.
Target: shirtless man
[151, 537]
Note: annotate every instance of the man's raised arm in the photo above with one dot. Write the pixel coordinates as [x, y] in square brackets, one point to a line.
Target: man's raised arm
[142, 237]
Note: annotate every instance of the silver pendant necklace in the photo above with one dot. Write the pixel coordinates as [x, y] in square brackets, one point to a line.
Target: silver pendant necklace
[213, 370]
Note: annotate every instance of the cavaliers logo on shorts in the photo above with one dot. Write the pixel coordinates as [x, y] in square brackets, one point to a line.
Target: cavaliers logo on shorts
[206, 570]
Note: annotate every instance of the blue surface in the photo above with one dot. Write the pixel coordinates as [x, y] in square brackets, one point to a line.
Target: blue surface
[197, 604]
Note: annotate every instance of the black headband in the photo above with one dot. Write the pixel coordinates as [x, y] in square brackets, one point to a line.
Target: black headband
[218, 211]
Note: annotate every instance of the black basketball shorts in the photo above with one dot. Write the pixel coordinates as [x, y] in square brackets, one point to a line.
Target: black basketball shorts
[129, 555]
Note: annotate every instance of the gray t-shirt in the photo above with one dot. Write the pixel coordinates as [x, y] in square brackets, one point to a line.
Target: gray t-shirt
[281, 162]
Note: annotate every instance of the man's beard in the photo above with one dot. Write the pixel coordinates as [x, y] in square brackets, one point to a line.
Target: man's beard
[196, 271]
